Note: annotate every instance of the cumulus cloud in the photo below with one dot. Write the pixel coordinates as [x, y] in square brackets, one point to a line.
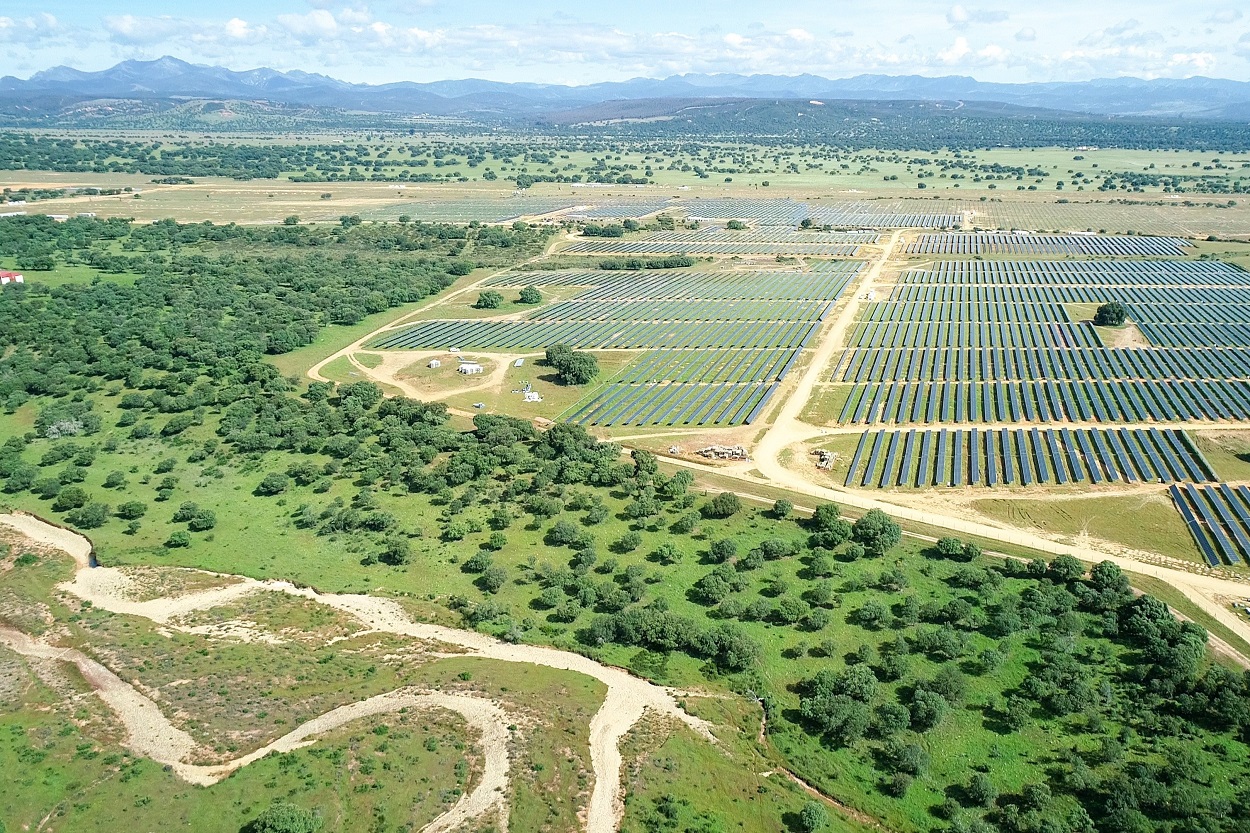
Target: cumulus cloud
[134, 30]
[961, 17]
[318, 24]
[27, 29]
[956, 52]
[386, 40]
[1198, 61]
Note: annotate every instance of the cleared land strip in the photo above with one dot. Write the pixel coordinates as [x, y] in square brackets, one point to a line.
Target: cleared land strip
[106, 588]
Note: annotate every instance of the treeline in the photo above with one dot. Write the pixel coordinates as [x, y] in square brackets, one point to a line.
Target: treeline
[909, 125]
[630, 263]
[210, 299]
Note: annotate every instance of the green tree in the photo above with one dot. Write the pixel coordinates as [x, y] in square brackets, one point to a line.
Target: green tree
[494, 578]
[273, 483]
[1111, 314]
[71, 497]
[981, 790]
[812, 817]
[284, 817]
[825, 517]
[489, 299]
[724, 505]
[131, 509]
[723, 549]
[530, 295]
[877, 532]
[579, 369]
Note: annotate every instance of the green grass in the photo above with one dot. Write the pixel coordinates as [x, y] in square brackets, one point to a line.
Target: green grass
[355, 777]
[1149, 522]
[1228, 452]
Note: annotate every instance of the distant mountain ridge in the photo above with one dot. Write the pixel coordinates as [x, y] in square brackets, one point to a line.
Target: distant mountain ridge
[171, 78]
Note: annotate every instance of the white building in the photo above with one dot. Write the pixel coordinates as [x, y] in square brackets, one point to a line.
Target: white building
[11, 277]
[434, 363]
[469, 368]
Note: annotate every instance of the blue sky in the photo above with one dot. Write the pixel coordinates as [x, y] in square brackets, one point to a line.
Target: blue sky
[584, 42]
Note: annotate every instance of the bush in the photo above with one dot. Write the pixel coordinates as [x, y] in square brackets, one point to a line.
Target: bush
[273, 484]
[181, 538]
[877, 532]
[132, 509]
[813, 816]
[90, 516]
[572, 366]
[724, 505]
[530, 295]
[71, 497]
[1112, 314]
[489, 299]
[284, 817]
[494, 578]
[723, 550]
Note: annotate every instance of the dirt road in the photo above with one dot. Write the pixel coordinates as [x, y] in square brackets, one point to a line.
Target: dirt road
[109, 589]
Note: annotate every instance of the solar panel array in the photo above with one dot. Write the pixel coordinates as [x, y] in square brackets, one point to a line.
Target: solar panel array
[992, 341]
[1011, 243]
[1219, 519]
[1024, 457]
[694, 247]
[620, 210]
[843, 214]
[717, 342]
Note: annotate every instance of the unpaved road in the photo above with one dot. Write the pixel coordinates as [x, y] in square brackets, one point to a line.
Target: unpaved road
[106, 588]
[150, 733]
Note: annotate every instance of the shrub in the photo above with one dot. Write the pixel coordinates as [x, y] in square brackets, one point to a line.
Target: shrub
[724, 505]
[489, 299]
[273, 484]
[181, 538]
[1112, 314]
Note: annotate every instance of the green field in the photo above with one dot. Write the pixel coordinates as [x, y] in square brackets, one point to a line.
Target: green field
[913, 685]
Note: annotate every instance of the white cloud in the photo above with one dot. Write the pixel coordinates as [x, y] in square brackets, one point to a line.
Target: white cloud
[133, 30]
[313, 26]
[359, 16]
[383, 40]
[238, 29]
[993, 53]
[956, 52]
[27, 29]
[1199, 61]
[961, 17]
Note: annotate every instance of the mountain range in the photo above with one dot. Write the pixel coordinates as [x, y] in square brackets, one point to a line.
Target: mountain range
[172, 79]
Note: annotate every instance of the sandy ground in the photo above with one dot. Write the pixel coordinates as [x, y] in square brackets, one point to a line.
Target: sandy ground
[152, 735]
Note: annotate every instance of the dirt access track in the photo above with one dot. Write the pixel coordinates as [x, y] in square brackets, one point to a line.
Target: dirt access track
[151, 734]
